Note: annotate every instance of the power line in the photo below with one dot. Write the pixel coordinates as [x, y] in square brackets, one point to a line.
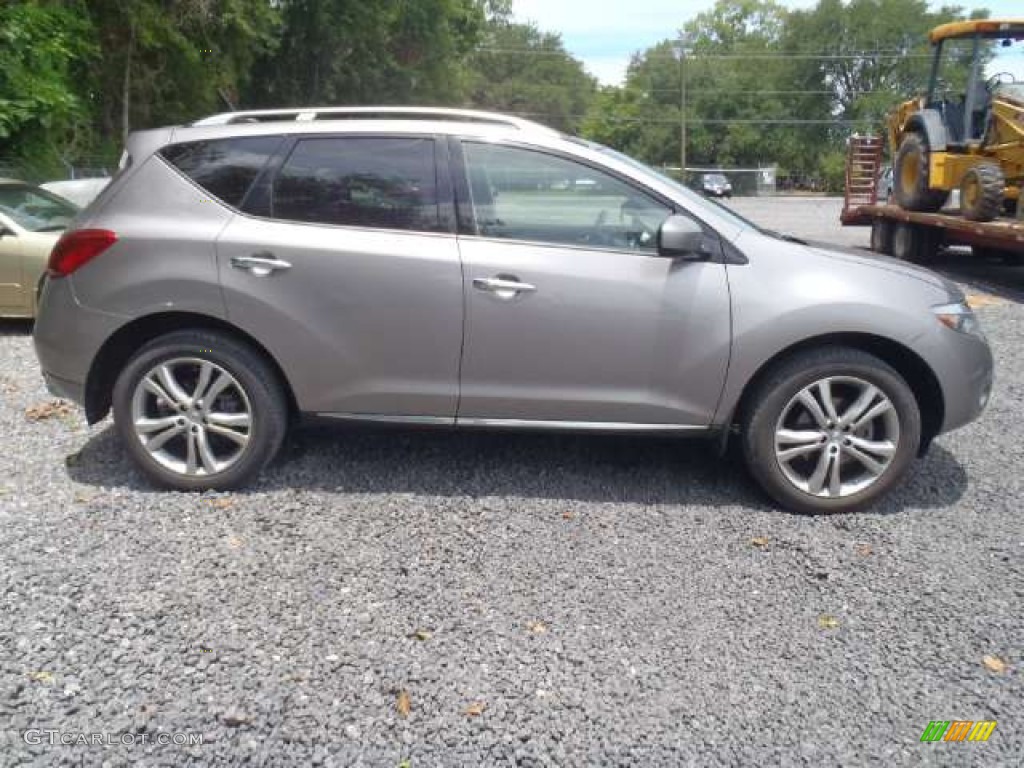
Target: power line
[760, 55]
[758, 92]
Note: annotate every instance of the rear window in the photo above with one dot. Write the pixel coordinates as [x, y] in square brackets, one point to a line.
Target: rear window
[384, 183]
[225, 168]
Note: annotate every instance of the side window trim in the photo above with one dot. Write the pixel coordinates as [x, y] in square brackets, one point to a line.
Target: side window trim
[445, 187]
[442, 178]
[466, 217]
[266, 176]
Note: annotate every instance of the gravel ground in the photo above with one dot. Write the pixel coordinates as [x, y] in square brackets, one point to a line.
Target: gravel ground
[431, 599]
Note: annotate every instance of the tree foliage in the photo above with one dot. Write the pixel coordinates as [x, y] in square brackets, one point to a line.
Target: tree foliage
[370, 51]
[763, 84]
[861, 87]
[523, 70]
[167, 61]
[766, 85]
[42, 53]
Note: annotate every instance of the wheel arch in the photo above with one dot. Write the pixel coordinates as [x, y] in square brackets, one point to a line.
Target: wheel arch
[928, 122]
[128, 339]
[915, 371]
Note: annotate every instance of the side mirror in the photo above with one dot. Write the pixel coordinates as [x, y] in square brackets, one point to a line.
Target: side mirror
[4, 231]
[680, 237]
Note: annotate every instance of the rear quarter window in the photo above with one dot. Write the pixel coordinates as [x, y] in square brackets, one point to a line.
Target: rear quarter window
[375, 182]
[225, 168]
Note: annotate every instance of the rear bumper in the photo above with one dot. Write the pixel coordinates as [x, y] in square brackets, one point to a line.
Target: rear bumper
[64, 389]
[67, 337]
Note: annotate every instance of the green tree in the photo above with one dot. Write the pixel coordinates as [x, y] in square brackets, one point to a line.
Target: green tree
[372, 51]
[630, 121]
[167, 62]
[734, 89]
[42, 114]
[764, 85]
[874, 52]
[520, 69]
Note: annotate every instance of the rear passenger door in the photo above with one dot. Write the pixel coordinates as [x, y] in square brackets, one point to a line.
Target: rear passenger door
[343, 263]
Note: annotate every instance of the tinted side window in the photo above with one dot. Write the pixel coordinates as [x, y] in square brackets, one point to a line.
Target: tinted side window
[521, 194]
[388, 183]
[225, 168]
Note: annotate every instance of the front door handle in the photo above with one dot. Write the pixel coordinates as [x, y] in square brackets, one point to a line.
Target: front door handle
[260, 264]
[503, 286]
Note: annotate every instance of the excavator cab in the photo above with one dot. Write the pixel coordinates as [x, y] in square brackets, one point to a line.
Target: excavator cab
[967, 131]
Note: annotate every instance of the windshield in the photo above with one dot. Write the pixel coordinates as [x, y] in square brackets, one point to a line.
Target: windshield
[35, 209]
[698, 201]
[714, 178]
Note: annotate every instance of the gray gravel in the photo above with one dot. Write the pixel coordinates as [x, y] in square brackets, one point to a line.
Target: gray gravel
[597, 601]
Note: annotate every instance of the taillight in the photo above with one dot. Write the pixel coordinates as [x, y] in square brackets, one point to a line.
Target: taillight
[77, 248]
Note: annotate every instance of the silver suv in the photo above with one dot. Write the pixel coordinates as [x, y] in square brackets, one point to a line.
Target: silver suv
[454, 268]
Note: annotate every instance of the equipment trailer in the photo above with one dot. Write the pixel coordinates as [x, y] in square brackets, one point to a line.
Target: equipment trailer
[916, 235]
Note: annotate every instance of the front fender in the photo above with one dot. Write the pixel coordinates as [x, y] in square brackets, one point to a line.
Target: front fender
[928, 122]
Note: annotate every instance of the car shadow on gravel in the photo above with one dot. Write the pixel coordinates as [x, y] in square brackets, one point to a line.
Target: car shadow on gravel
[992, 275]
[596, 468]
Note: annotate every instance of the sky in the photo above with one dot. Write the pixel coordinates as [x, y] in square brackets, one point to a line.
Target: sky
[604, 34]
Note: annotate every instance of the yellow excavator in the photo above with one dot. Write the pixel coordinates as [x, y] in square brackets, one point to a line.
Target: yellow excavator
[971, 141]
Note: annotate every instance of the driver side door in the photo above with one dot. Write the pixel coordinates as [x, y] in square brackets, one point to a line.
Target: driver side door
[572, 317]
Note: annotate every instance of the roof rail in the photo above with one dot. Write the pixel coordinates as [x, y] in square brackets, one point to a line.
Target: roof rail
[302, 114]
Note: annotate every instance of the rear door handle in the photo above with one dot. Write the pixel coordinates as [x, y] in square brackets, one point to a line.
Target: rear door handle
[260, 264]
[503, 286]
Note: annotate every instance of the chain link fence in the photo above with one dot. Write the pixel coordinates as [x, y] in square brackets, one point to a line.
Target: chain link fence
[89, 167]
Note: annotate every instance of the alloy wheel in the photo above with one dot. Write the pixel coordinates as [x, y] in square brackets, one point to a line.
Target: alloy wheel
[192, 416]
[837, 437]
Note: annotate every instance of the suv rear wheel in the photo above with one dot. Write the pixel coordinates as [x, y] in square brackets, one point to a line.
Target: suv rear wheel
[832, 430]
[199, 410]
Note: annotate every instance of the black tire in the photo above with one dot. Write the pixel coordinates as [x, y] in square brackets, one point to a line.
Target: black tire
[910, 177]
[881, 236]
[782, 383]
[915, 243]
[257, 379]
[981, 192]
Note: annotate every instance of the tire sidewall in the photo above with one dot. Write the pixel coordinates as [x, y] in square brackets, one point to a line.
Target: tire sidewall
[760, 442]
[990, 181]
[882, 232]
[911, 150]
[905, 243]
[265, 434]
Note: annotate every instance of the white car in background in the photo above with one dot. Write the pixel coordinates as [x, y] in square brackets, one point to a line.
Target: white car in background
[81, 192]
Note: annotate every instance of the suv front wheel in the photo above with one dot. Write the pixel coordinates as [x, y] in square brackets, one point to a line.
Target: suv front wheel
[198, 410]
[831, 430]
